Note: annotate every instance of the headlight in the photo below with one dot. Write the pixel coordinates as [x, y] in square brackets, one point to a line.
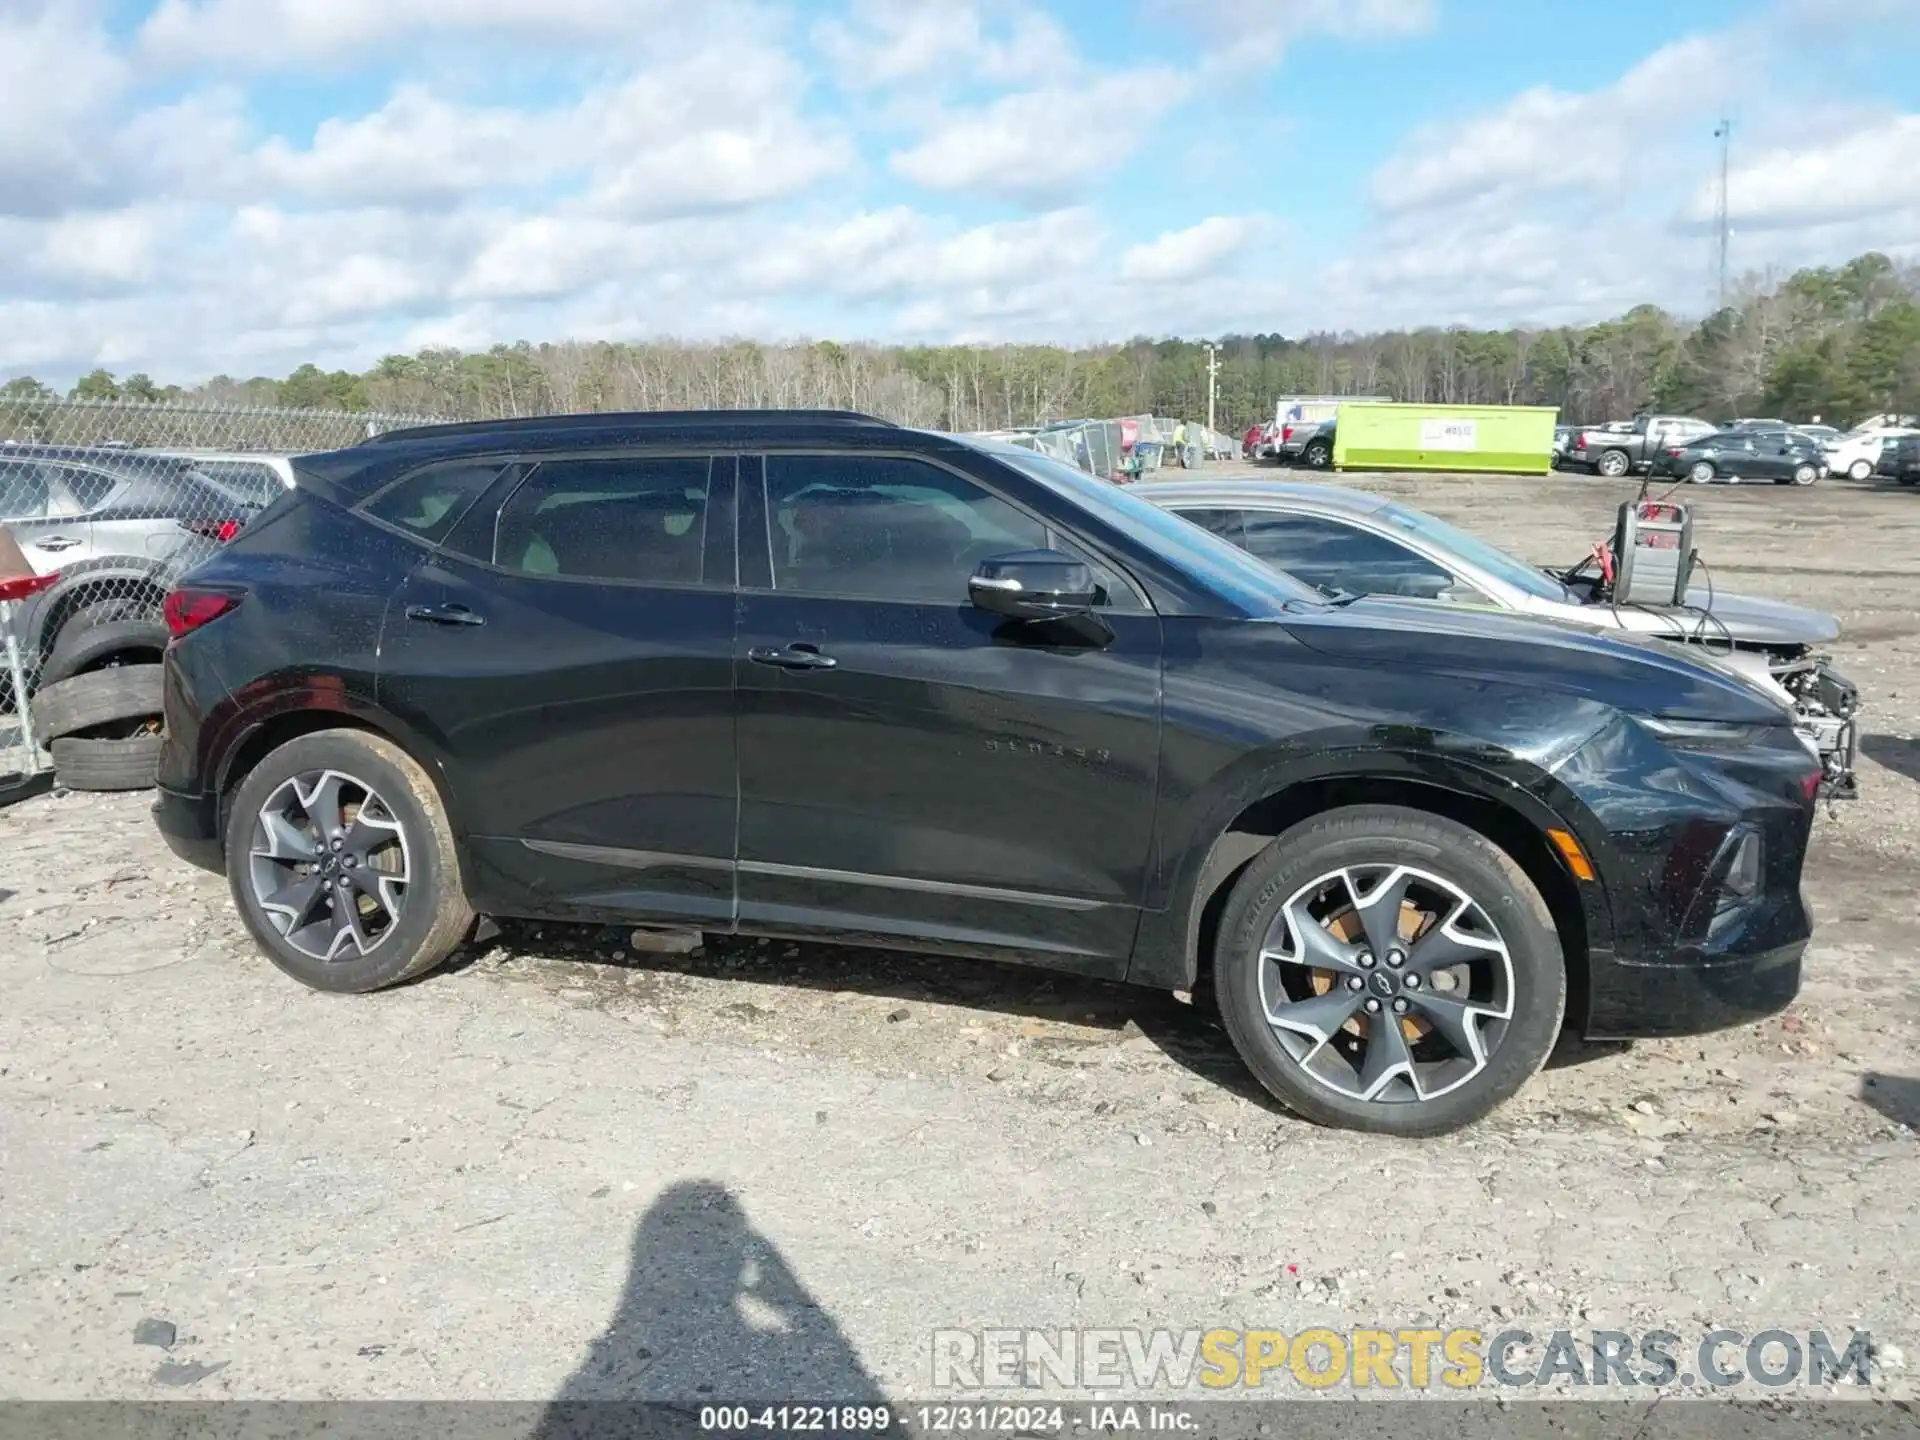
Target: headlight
[1681, 734]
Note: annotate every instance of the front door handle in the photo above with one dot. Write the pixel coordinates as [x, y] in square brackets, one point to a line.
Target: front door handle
[445, 615]
[791, 658]
[57, 542]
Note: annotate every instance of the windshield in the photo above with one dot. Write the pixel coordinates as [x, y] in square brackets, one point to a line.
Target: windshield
[1255, 587]
[1477, 552]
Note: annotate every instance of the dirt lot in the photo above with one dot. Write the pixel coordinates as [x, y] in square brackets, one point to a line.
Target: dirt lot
[562, 1168]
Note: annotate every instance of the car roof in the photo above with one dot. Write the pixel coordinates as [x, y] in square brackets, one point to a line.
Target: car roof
[623, 425]
[1333, 499]
[275, 458]
[102, 457]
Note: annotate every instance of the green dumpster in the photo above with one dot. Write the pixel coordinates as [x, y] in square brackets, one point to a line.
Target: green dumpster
[1495, 439]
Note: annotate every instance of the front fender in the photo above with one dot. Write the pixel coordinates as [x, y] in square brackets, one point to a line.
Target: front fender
[1166, 949]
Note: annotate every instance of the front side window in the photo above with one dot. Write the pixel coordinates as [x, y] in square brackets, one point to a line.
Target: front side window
[428, 503]
[884, 528]
[636, 519]
[1337, 556]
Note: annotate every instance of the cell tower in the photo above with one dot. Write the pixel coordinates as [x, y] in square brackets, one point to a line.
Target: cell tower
[1723, 225]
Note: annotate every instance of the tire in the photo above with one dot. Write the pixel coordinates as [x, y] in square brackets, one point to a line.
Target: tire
[1860, 470]
[85, 645]
[100, 697]
[398, 928]
[107, 764]
[1318, 455]
[1805, 475]
[1612, 464]
[1520, 971]
[1701, 472]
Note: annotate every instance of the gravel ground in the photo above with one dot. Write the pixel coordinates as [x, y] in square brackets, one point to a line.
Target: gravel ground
[563, 1168]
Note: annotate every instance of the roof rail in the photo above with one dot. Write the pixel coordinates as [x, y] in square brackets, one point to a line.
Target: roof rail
[631, 420]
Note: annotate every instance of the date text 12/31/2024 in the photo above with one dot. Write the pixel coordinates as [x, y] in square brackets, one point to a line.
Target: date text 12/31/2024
[943, 1419]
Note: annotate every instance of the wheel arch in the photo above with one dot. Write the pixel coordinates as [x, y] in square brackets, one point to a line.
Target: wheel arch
[265, 727]
[1175, 947]
[82, 587]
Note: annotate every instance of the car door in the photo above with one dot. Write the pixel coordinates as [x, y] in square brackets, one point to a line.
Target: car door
[913, 766]
[1333, 554]
[42, 515]
[567, 647]
[1772, 456]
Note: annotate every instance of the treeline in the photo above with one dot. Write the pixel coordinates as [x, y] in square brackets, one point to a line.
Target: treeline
[1838, 343]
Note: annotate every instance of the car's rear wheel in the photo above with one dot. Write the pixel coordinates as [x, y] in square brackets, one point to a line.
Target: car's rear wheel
[1701, 473]
[342, 863]
[1318, 455]
[1613, 464]
[1384, 969]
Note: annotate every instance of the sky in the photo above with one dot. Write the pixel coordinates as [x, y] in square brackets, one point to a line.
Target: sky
[196, 187]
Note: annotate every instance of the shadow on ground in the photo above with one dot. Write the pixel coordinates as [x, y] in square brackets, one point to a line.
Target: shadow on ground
[1189, 1034]
[1898, 753]
[711, 1312]
[1895, 1096]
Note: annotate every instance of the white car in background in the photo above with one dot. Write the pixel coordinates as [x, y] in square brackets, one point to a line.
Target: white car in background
[1855, 453]
[256, 477]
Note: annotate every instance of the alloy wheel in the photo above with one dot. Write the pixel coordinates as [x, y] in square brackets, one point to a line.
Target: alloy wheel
[329, 865]
[1386, 983]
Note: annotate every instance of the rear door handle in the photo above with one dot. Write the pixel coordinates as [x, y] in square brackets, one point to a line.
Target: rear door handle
[791, 658]
[445, 615]
[57, 542]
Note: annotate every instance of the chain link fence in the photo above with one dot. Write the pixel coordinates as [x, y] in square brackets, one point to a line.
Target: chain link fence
[1125, 448]
[108, 504]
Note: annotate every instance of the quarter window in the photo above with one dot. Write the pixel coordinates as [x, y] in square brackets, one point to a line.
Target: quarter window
[633, 519]
[430, 502]
[882, 528]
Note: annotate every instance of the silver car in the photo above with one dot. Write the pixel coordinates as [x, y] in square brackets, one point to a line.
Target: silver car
[1348, 541]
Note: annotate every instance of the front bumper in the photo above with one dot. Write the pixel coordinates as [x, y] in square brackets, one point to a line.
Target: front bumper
[1643, 1002]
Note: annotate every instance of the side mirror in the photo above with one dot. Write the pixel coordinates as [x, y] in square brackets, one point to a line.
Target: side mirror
[1033, 585]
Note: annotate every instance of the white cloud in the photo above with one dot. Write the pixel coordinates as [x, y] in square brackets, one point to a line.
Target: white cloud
[60, 83]
[283, 34]
[1190, 253]
[944, 43]
[1870, 171]
[1258, 32]
[1043, 144]
[1546, 140]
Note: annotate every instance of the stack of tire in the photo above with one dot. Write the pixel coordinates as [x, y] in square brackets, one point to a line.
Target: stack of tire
[97, 706]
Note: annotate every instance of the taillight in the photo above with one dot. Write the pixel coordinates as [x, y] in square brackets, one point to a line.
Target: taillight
[221, 530]
[1673, 452]
[21, 586]
[187, 610]
[1286, 433]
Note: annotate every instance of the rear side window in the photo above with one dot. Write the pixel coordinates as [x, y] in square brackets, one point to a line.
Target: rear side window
[429, 503]
[636, 519]
[23, 491]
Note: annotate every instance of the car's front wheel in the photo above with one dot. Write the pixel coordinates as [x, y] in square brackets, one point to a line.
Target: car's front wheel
[1805, 474]
[342, 863]
[1859, 470]
[1384, 969]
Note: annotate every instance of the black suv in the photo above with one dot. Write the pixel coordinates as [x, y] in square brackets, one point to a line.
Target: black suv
[813, 675]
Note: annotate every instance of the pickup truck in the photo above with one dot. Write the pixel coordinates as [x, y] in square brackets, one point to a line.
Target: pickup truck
[1632, 449]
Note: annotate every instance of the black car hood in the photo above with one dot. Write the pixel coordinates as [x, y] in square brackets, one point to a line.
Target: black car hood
[1629, 672]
